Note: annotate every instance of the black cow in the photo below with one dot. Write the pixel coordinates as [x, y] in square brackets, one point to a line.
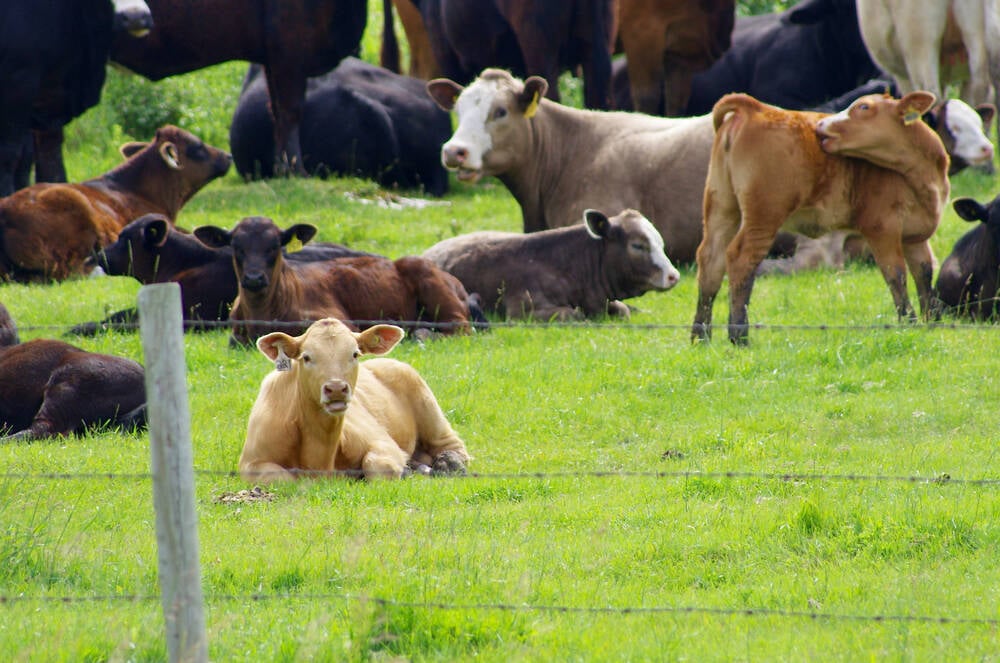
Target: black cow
[293, 39]
[52, 68]
[969, 280]
[49, 388]
[796, 59]
[529, 37]
[358, 119]
[152, 250]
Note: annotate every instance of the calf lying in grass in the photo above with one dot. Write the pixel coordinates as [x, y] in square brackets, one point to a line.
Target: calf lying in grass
[323, 410]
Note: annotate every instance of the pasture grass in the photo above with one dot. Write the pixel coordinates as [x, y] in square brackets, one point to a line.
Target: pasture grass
[823, 494]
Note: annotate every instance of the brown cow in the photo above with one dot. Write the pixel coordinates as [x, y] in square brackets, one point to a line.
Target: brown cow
[293, 39]
[558, 161]
[375, 417]
[423, 65]
[563, 273]
[47, 231]
[8, 330]
[49, 388]
[874, 168]
[362, 289]
[666, 43]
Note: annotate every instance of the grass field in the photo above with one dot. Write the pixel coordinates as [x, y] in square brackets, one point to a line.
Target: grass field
[828, 493]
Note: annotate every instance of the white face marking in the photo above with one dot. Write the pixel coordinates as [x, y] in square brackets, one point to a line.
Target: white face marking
[830, 120]
[966, 128]
[668, 276]
[472, 109]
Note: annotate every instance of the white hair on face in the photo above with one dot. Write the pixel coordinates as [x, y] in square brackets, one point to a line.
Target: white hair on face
[473, 108]
[668, 273]
[966, 128]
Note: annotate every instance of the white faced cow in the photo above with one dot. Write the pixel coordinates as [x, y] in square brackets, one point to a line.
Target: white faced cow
[324, 410]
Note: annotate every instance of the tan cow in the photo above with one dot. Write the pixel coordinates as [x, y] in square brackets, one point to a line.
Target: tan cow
[774, 169]
[322, 410]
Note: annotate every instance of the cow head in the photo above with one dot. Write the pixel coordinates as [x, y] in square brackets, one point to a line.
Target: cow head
[964, 131]
[634, 258]
[989, 215]
[494, 114]
[877, 128]
[324, 360]
[257, 244]
[137, 249]
[133, 17]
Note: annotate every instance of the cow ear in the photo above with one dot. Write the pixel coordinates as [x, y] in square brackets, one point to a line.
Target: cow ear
[379, 339]
[597, 223]
[131, 148]
[168, 152]
[915, 104]
[986, 111]
[295, 236]
[213, 236]
[444, 92]
[276, 342]
[155, 232]
[969, 209]
[534, 89]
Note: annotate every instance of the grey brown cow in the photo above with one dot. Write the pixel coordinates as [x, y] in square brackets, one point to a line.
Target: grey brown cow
[563, 273]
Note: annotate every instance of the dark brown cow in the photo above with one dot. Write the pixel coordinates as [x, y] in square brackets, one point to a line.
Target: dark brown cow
[47, 231]
[293, 39]
[529, 37]
[359, 289]
[969, 280]
[666, 42]
[49, 388]
[565, 273]
[154, 251]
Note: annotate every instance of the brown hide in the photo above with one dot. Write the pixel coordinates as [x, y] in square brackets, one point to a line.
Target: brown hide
[666, 42]
[892, 192]
[47, 231]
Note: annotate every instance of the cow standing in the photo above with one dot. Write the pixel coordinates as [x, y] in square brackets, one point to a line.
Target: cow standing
[374, 418]
[292, 39]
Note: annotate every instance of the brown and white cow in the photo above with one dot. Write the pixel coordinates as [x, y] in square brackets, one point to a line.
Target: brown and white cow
[374, 417]
[874, 168]
[275, 293]
[49, 388]
[47, 231]
[559, 161]
[562, 273]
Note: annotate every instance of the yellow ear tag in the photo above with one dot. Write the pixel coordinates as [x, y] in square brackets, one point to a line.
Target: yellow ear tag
[910, 116]
[294, 245]
[532, 108]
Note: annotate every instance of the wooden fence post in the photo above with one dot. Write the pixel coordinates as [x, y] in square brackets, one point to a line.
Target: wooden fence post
[162, 329]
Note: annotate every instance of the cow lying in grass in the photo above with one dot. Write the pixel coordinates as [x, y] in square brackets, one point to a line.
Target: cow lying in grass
[772, 169]
[969, 281]
[563, 273]
[322, 410]
[50, 388]
[357, 289]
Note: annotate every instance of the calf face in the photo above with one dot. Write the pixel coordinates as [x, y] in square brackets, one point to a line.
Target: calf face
[493, 128]
[324, 360]
[634, 252]
[964, 131]
[872, 128]
[136, 252]
[257, 244]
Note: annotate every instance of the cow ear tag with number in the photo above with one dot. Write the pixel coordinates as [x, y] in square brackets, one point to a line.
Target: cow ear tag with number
[532, 108]
[282, 362]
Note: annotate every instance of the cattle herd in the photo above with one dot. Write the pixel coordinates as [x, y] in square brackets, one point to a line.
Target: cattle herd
[766, 143]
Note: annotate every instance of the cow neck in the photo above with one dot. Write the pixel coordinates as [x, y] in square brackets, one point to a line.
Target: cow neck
[311, 419]
[147, 178]
[923, 164]
[553, 134]
[276, 302]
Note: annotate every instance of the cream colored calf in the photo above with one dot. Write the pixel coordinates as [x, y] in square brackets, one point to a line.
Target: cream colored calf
[322, 409]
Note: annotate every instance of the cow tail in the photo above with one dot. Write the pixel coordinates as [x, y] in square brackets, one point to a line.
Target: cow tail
[740, 105]
[389, 57]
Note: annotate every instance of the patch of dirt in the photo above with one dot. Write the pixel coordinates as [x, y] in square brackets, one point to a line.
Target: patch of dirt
[255, 494]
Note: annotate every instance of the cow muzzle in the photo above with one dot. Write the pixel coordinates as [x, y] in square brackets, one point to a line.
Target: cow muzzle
[335, 397]
[455, 157]
[254, 282]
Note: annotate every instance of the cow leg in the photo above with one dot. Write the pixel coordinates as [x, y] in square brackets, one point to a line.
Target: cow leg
[888, 253]
[920, 260]
[645, 73]
[746, 251]
[287, 90]
[384, 460]
[49, 165]
[676, 88]
[722, 221]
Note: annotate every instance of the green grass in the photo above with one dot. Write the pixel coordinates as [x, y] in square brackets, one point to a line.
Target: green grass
[813, 496]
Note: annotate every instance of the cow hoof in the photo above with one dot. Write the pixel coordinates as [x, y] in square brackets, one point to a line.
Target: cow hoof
[448, 462]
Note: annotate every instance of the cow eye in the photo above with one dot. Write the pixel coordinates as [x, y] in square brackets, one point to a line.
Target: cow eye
[638, 246]
[357, 353]
[306, 358]
[500, 113]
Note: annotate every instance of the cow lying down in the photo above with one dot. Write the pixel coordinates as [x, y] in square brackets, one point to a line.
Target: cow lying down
[564, 273]
[374, 417]
[50, 388]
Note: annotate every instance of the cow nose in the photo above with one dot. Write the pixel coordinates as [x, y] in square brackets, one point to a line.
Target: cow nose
[454, 155]
[254, 282]
[336, 390]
